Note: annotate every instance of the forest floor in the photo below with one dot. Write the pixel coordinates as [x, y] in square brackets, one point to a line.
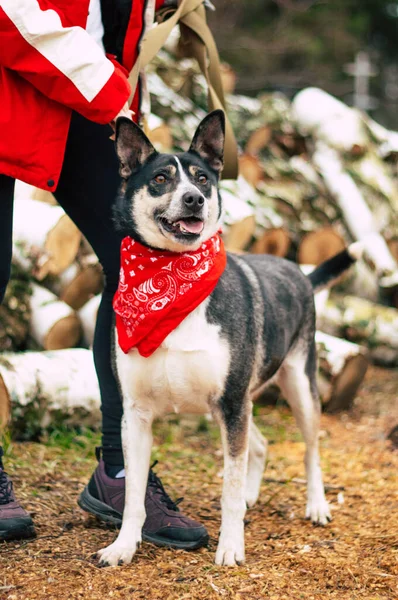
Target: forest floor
[354, 557]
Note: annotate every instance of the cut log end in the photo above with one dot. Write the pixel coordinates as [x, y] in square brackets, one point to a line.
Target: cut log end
[239, 234]
[62, 245]
[251, 169]
[320, 245]
[44, 196]
[258, 140]
[88, 283]
[347, 383]
[5, 405]
[393, 247]
[65, 333]
[161, 138]
[274, 241]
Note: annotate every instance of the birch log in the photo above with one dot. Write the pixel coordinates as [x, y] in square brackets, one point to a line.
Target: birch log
[79, 282]
[342, 367]
[387, 140]
[360, 280]
[319, 114]
[356, 212]
[41, 389]
[46, 241]
[54, 325]
[24, 191]
[88, 318]
[364, 322]
[239, 199]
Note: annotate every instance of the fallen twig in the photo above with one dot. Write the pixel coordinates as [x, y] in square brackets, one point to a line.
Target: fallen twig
[327, 487]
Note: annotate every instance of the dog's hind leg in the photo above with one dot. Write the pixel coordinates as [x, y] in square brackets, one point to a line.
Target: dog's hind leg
[297, 379]
[257, 458]
[235, 440]
[137, 444]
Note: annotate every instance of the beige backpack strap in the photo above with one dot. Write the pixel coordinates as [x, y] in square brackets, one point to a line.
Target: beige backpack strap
[192, 17]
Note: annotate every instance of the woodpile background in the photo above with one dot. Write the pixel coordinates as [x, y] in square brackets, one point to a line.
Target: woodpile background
[315, 176]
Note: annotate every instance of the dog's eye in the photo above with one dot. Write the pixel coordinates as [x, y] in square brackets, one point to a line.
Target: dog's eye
[202, 179]
[160, 178]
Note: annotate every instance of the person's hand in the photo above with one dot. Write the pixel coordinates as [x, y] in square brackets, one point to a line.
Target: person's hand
[124, 112]
[174, 4]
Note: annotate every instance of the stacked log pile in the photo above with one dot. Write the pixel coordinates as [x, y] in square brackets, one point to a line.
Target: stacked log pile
[315, 175]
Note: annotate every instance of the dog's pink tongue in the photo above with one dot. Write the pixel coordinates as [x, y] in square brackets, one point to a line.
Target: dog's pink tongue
[192, 226]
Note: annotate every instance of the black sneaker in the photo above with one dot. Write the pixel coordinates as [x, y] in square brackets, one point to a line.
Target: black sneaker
[165, 525]
[15, 523]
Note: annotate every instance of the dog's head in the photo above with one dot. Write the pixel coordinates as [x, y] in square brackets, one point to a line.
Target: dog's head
[167, 201]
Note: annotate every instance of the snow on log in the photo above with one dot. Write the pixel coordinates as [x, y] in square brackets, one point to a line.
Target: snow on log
[79, 282]
[46, 241]
[360, 280]
[24, 191]
[54, 325]
[319, 114]
[364, 322]
[88, 318]
[356, 212]
[239, 199]
[249, 215]
[387, 139]
[38, 389]
[342, 367]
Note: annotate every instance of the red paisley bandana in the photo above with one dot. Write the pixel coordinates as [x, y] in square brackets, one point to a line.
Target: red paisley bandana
[158, 289]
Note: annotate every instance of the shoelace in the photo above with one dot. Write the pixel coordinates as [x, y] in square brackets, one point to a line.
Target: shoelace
[5, 488]
[155, 483]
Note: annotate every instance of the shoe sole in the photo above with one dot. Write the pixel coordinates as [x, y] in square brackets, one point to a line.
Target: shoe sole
[20, 532]
[105, 513]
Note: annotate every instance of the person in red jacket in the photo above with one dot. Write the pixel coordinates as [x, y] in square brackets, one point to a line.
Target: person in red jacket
[63, 80]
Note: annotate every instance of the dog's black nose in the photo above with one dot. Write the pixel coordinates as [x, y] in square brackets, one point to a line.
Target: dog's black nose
[193, 201]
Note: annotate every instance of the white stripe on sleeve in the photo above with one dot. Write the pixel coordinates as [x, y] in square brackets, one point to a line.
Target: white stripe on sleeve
[69, 49]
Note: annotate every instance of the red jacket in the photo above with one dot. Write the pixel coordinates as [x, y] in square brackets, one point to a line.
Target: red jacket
[49, 66]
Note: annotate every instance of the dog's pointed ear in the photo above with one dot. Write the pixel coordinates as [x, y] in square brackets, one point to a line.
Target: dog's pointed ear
[132, 146]
[209, 139]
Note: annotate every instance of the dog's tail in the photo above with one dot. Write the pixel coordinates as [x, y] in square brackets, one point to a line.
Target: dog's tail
[330, 270]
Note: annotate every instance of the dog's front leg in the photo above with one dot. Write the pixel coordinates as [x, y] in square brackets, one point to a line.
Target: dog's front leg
[235, 439]
[137, 444]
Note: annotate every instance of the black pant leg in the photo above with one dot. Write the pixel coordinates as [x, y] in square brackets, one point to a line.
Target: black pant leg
[86, 190]
[6, 210]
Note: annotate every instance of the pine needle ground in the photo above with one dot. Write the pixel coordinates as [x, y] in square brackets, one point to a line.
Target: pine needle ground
[355, 557]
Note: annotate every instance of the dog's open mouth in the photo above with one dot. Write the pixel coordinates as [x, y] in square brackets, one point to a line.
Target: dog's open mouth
[189, 226]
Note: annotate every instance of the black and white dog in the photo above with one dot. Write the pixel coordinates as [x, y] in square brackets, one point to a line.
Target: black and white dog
[258, 324]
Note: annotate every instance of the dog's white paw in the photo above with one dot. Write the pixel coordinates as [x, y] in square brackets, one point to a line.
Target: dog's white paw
[318, 511]
[117, 554]
[230, 553]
